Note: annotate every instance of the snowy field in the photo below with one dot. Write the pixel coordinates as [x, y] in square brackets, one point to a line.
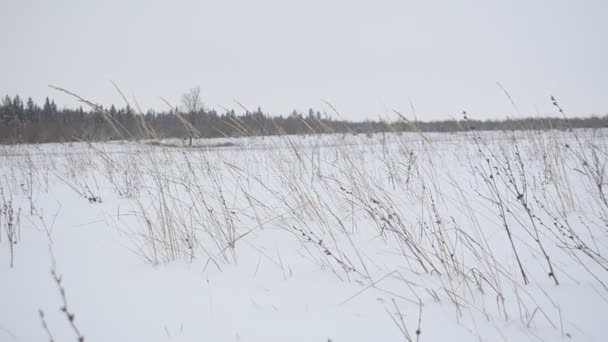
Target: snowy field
[391, 237]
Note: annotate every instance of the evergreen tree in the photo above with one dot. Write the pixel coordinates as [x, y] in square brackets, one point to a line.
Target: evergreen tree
[31, 111]
[19, 110]
[9, 115]
[47, 110]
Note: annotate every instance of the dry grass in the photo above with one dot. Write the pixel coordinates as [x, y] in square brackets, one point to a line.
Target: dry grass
[444, 225]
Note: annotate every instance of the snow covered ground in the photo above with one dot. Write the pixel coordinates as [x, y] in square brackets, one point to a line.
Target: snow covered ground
[388, 237]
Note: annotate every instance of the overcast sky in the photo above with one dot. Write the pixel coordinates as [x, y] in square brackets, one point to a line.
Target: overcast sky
[365, 57]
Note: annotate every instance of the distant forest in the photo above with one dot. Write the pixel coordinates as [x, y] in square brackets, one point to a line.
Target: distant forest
[27, 122]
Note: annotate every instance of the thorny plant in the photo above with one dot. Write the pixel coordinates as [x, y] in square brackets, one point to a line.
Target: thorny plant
[64, 309]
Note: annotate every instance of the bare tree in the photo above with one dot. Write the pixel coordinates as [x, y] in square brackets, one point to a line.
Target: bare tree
[191, 100]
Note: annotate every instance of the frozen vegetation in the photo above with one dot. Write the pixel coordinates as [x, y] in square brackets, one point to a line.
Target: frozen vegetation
[466, 236]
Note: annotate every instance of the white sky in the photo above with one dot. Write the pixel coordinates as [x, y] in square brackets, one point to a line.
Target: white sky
[365, 57]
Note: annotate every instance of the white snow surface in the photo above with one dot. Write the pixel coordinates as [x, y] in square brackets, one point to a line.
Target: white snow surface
[343, 238]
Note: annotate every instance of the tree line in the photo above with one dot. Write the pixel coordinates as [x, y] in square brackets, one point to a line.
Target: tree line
[27, 122]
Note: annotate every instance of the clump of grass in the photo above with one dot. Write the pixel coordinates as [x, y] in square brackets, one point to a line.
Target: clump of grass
[10, 223]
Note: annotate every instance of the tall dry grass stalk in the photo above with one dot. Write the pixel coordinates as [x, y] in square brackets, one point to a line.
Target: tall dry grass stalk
[440, 208]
